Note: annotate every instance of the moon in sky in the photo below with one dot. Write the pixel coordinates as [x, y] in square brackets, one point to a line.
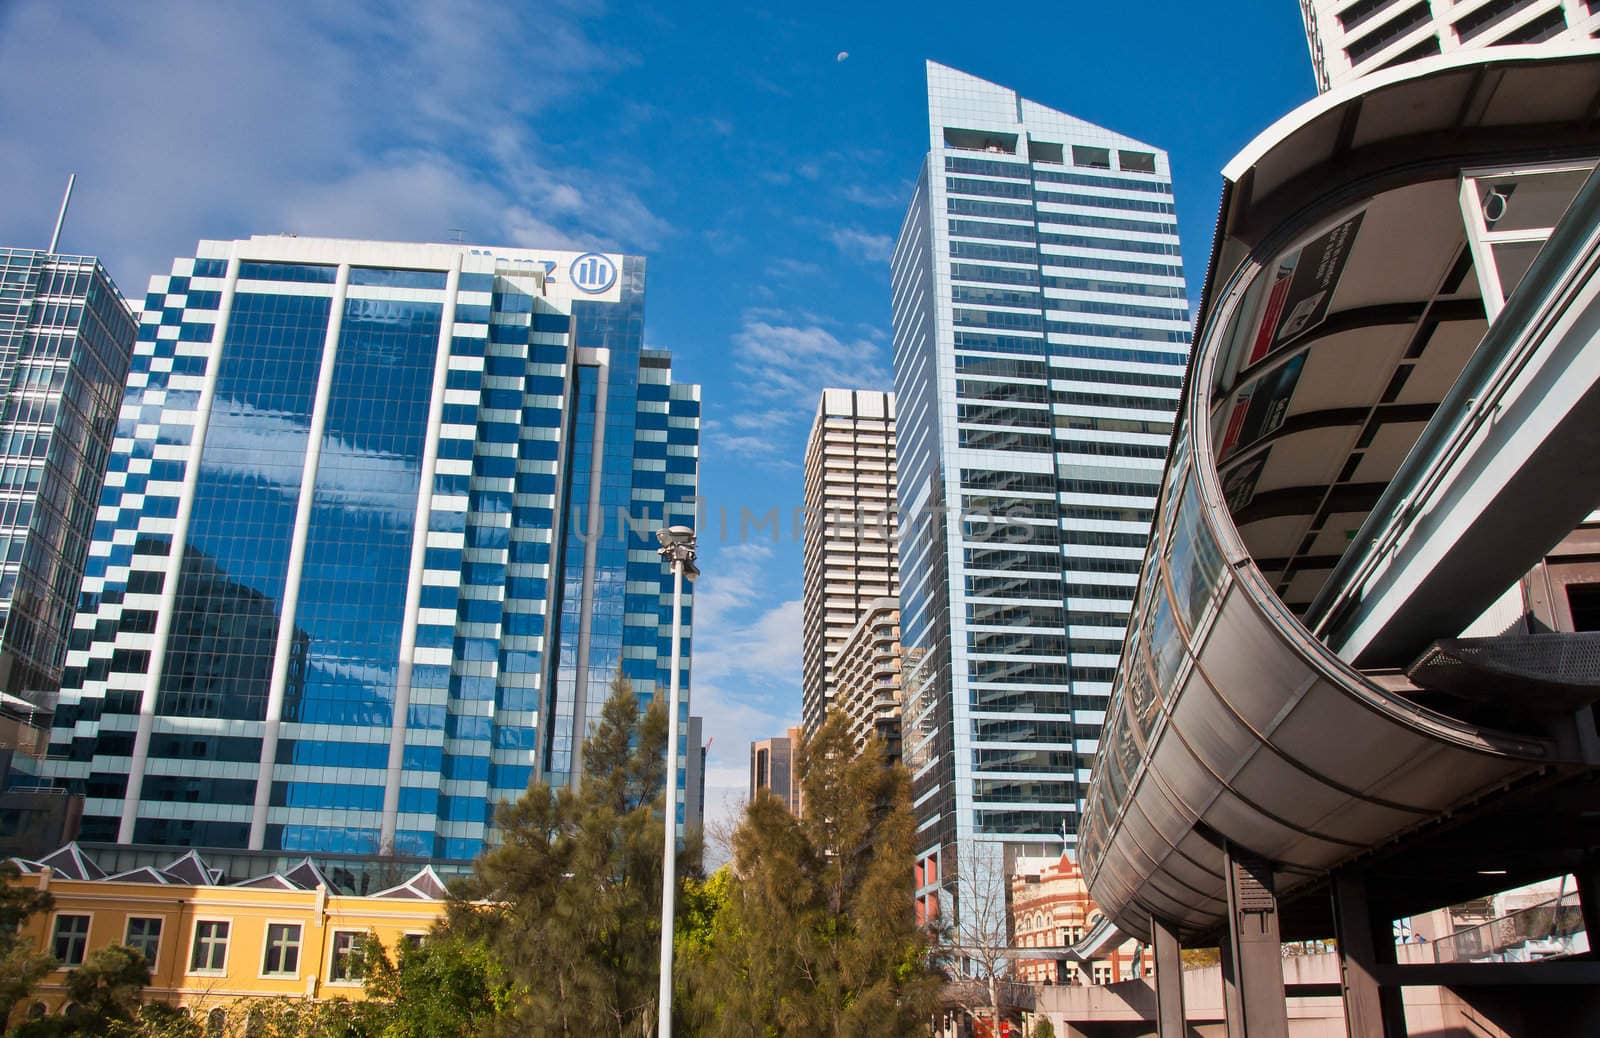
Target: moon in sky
[842, 55]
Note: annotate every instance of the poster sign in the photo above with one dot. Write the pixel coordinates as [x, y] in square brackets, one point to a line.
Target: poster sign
[1302, 287]
[1260, 408]
[1239, 484]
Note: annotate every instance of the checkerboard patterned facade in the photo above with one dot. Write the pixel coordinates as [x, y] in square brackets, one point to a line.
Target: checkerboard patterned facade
[374, 541]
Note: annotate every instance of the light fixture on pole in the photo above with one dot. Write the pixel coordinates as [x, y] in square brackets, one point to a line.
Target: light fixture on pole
[677, 547]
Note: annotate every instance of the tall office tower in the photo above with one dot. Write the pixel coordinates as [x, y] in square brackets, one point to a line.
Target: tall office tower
[772, 768]
[66, 336]
[850, 533]
[1349, 38]
[1040, 335]
[360, 571]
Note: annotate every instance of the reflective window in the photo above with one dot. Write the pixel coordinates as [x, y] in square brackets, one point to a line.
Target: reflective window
[387, 278]
[70, 939]
[301, 272]
[283, 949]
[345, 964]
[1166, 644]
[230, 584]
[1196, 562]
[144, 937]
[210, 951]
[358, 545]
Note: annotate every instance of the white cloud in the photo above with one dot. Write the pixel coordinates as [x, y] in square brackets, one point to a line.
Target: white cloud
[791, 361]
[897, 197]
[784, 359]
[789, 267]
[862, 245]
[399, 121]
[746, 680]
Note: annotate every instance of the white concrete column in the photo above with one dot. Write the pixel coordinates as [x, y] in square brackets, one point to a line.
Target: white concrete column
[180, 541]
[297, 557]
[419, 554]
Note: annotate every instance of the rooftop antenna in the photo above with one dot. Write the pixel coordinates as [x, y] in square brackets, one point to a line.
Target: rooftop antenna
[61, 218]
[458, 235]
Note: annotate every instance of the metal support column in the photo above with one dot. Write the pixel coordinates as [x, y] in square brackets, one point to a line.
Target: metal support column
[1169, 980]
[1232, 1007]
[1370, 1009]
[1255, 947]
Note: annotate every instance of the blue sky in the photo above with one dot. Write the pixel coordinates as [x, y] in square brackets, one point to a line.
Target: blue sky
[762, 172]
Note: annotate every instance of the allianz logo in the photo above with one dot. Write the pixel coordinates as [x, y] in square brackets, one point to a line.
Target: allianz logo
[593, 272]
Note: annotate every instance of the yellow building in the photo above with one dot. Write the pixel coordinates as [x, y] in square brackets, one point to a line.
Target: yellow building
[209, 945]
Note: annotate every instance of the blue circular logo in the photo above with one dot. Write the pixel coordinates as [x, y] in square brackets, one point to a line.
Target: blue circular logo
[592, 272]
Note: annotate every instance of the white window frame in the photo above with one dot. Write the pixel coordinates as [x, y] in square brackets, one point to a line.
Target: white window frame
[161, 935]
[194, 942]
[334, 934]
[1481, 240]
[266, 947]
[55, 922]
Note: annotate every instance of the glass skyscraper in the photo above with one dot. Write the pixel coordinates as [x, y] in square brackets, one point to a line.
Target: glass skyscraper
[1040, 334]
[65, 339]
[363, 565]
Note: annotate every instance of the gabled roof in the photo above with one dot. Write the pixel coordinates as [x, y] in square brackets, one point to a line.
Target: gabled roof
[191, 869]
[307, 875]
[271, 881]
[142, 874]
[424, 886]
[71, 863]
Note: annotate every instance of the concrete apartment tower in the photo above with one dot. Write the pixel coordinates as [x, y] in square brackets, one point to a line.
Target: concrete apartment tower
[1349, 38]
[1041, 330]
[359, 573]
[851, 530]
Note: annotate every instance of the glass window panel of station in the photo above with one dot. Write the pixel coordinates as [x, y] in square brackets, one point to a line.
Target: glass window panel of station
[1195, 566]
[1509, 214]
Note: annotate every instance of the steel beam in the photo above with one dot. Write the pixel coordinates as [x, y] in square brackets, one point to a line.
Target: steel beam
[1497, 974]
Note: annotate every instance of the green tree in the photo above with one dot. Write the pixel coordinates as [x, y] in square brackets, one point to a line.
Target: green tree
[698, 905]
[21, 966]
[302, 1018]
[107, 990]
[569, 903]
[449, 987]
[817, 935]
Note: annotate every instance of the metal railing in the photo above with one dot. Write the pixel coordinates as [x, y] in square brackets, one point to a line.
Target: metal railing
[1546, 930]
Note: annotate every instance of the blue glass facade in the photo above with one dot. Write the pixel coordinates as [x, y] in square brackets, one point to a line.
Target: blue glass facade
[1041, 329]
[340, 601]
[66, 336]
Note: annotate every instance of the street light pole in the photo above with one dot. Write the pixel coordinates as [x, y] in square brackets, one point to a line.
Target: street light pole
[678, 548]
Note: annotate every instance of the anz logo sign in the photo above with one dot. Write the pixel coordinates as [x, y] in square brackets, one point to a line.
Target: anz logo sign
[592, 272]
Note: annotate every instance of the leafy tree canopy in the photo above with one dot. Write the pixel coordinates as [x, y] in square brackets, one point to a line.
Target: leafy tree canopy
[817, 935]
[569, 904]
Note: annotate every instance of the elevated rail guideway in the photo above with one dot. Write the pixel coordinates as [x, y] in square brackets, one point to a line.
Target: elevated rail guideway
[1391, 414]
